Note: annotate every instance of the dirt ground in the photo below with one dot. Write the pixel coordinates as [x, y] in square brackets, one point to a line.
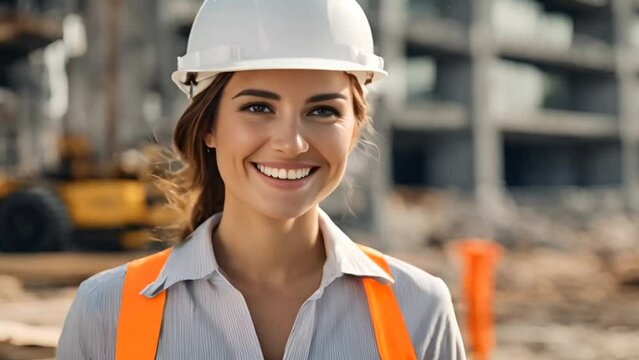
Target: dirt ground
[36, 291]
[549, 304]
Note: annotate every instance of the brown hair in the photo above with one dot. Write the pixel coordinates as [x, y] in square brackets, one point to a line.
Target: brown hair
[196, 190]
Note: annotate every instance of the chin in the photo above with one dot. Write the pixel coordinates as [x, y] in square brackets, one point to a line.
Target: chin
[285, 212]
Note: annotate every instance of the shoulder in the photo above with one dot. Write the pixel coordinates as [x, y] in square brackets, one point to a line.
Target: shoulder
[91, 323]
[103, 288]
[424, 299]
[97, 300]
[428, 311]
[411, 281]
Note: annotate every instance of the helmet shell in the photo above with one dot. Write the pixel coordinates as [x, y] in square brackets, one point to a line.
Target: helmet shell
[236, 35]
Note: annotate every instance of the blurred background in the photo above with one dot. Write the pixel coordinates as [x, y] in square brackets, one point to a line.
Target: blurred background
[515, 121]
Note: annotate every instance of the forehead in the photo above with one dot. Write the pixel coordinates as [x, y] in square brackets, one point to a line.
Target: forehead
[291, 81]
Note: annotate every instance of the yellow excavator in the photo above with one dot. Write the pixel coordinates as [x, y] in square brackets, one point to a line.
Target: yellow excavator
[75, 209]
[83, 203]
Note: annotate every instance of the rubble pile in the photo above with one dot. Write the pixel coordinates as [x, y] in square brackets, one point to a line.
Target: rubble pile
[579, 222]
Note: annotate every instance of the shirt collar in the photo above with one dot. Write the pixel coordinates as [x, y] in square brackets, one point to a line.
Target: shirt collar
[194, 258]
[190, 260]
[343, 256]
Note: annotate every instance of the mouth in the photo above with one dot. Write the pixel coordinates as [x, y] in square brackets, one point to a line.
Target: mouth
[288, 175]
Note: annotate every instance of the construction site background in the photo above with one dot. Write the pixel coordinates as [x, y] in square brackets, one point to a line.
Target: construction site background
[514, 121]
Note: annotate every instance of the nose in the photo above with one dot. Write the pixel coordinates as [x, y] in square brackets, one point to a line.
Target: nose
[288, 137]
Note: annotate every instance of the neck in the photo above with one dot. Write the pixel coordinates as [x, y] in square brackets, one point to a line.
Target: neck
[253, 247]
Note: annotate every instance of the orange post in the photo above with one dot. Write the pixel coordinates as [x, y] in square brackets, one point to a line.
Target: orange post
[479, 257]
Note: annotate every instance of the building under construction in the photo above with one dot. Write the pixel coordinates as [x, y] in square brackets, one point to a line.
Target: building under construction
[490, 97]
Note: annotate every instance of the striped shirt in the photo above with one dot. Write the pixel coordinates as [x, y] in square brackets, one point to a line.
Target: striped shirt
[205, 317]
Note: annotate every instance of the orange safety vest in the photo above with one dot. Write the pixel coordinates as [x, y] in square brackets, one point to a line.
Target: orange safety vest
[141, 318]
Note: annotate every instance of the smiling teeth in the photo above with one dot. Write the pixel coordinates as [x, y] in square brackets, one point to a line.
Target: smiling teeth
[290, 174]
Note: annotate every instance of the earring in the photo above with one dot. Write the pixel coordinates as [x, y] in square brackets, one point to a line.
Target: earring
[208, 150]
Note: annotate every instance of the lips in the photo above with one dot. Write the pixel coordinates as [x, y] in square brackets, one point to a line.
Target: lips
[285, 174]
[285, 171]
[285, 178]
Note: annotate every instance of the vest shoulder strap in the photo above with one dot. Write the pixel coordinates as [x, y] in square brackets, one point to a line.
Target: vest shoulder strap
[140, 318]
[391, 334]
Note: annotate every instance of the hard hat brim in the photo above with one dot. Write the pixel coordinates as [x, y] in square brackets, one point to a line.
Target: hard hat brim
[204, 78]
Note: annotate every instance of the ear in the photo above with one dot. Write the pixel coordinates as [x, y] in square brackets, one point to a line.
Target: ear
[209, 140]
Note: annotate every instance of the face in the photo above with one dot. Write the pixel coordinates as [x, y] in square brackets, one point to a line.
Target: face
[282, 138]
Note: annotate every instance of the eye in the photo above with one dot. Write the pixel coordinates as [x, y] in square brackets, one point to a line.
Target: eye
[325, 111]
[257, 108]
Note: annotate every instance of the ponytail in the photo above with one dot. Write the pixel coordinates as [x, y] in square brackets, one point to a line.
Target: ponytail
[197, 189]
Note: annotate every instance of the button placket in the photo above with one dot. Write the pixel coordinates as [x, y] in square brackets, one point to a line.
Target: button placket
[245, 325]
[298, 344]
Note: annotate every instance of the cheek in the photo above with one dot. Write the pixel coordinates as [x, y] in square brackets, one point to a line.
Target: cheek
[236, 138]
[333, 143]
[236, 141]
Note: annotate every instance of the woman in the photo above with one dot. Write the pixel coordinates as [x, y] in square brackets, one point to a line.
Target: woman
[277, 89]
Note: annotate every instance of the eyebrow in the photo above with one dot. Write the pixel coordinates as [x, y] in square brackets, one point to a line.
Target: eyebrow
[274, 96]
[324, 97]
[260, 93]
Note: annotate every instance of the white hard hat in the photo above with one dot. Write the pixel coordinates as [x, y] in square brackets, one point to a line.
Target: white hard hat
[236, 35]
